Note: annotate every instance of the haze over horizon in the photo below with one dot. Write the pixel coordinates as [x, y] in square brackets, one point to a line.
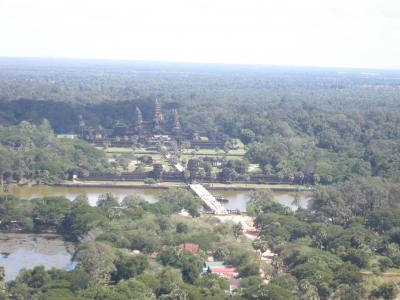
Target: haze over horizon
[320, 33]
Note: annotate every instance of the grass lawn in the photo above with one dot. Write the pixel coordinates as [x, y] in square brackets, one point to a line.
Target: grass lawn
[116, 150]
[229, 157]
[212, 152]
[127, 150]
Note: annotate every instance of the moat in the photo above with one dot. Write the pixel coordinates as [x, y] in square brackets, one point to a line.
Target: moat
[236, 199]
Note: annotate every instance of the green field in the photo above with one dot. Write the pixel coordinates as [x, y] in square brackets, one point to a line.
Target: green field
[187, 155]
[121, 150]
[232, 154]
[212, 152]
[229, 157]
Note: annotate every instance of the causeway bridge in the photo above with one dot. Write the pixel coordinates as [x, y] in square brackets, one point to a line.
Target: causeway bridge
[208, 199]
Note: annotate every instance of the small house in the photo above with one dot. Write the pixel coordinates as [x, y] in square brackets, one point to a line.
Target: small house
[193, 248]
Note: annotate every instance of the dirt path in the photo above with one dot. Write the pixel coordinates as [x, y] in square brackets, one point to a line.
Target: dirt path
[250, 232]
[247, 223]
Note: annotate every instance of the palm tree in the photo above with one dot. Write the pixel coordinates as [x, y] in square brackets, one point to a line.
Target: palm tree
[277, 264]
[308, 291]
[296, 200]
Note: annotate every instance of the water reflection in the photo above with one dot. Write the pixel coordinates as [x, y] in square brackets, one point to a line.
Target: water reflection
[237, 199]
[71, 193]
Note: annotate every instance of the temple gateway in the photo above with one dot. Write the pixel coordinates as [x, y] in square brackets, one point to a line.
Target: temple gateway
[162, 127]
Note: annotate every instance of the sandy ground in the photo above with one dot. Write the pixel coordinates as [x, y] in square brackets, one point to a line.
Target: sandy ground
[247, 222]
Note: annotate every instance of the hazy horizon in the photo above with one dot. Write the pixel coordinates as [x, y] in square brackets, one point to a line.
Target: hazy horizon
[309, 33]
[117, 61]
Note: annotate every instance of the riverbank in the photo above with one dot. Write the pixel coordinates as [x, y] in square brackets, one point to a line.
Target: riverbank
[254, 186]
[120, 184]
[167, 185]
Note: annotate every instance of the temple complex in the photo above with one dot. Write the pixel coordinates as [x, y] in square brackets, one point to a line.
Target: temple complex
[163, 126]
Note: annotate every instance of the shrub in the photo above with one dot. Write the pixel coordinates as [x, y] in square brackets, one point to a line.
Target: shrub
[149, 181]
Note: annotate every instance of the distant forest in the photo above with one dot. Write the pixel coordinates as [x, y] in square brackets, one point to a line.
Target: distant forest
[331, 125]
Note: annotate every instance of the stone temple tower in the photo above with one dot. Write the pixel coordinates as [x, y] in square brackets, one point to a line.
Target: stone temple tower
[138, 120]
[176, 124]
[157, 116]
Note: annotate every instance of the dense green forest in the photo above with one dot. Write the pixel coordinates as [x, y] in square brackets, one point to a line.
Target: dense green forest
[91, 81]
[32, 152]
[341, 248]
[320, 125]
[319, 145]
[334, 249]
[110, 231]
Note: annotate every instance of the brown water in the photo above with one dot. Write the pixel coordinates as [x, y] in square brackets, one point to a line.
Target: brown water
[237, 199]
[19, 251]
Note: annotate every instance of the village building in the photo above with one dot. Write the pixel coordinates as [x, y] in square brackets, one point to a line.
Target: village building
[226, 271]
[193, 248]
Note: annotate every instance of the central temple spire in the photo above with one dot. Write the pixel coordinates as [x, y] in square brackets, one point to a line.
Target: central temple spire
[157, 116]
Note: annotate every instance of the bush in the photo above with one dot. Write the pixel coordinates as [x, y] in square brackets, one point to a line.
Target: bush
[385, 263]
[182, 228]
[387, 291]
[358, 257]
[149, 181]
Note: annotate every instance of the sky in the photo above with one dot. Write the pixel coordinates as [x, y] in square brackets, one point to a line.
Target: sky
[332, 33]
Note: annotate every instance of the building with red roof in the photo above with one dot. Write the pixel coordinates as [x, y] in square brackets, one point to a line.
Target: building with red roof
[193, 248]
[227, 272]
